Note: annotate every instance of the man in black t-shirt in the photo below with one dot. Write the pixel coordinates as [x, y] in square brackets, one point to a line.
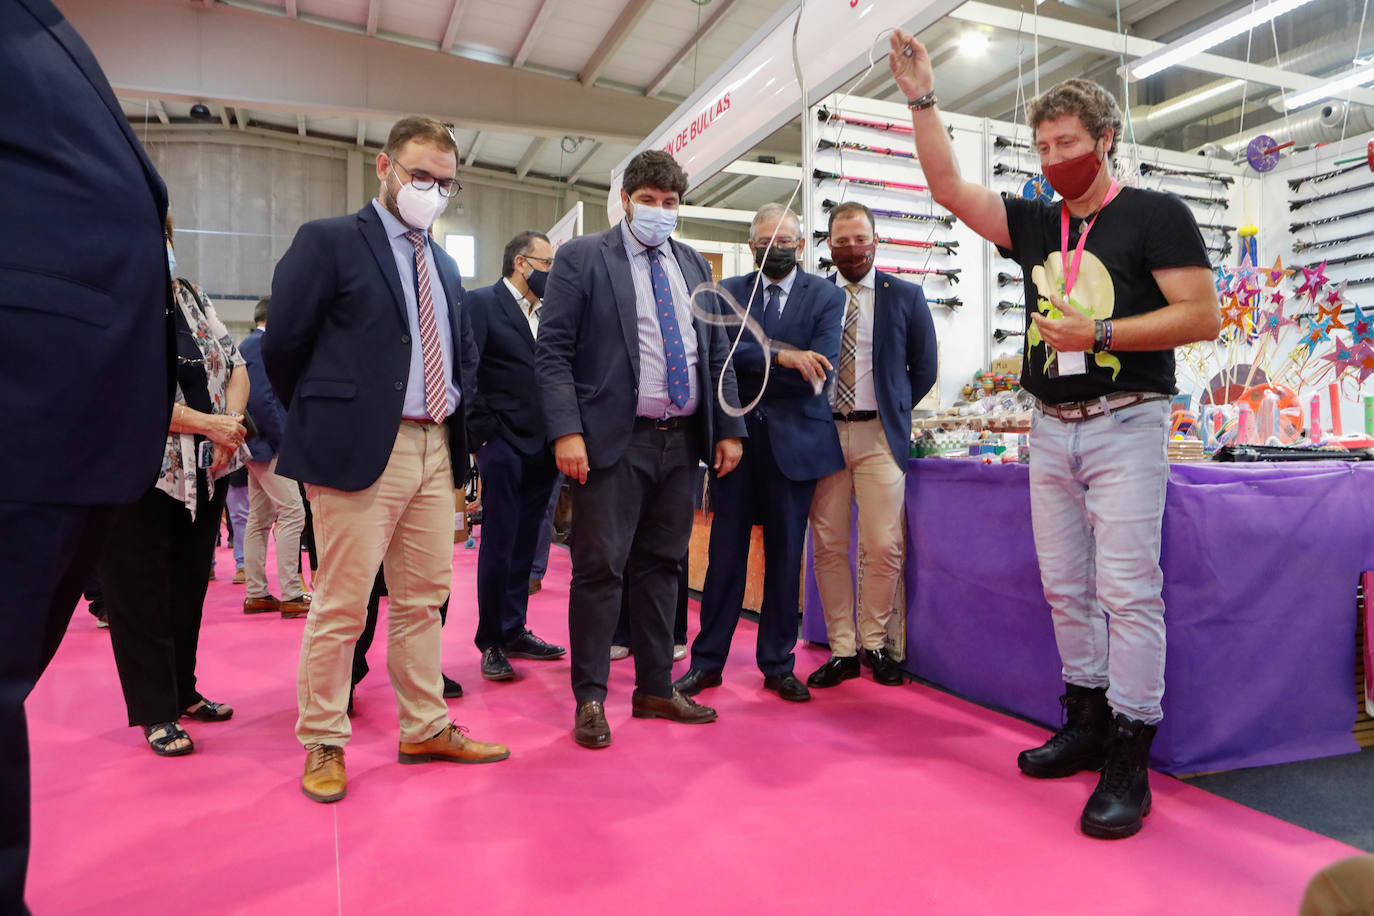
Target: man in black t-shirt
[1116, 278]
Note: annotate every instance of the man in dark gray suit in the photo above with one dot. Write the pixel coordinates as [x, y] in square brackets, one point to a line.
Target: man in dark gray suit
[629, 380]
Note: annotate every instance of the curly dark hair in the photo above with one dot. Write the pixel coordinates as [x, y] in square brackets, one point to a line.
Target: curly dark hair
[654, 168]
[1094, 106]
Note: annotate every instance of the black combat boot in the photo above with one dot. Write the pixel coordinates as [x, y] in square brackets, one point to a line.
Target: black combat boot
[1080, 743]
[1118, 806]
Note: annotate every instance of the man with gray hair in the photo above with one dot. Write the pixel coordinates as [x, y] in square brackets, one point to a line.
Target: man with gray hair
[792, 442]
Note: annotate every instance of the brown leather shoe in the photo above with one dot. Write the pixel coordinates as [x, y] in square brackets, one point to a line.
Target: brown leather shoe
[452, 745]
[589, 725]
[239, 577]
[264, 605]
[677, 708]
[296, 607]
[324, 779]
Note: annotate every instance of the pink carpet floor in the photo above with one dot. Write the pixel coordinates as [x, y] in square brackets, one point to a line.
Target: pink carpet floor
[868, 799]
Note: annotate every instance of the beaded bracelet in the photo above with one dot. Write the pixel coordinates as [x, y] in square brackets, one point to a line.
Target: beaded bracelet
[923, 102]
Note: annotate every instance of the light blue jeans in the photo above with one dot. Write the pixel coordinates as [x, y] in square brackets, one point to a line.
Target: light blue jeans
[1097, 504]
[237, 501]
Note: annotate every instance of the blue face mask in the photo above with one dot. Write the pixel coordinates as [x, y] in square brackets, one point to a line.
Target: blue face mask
[171, 261]
[652, 225]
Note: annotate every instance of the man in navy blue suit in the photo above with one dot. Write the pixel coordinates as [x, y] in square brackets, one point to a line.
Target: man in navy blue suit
[792, 442]
[271, 497]
[628, 378]
[887, 363]
[85, 366]
[372, 351]
[506, 424]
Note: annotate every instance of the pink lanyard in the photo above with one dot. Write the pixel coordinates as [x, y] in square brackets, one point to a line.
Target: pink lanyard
[1071, 268]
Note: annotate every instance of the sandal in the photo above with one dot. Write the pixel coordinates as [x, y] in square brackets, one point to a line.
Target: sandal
[206, 711]
[166, 733]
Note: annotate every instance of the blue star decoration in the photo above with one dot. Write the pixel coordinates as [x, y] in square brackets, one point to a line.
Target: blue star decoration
[1317, 332]
[1361, 329]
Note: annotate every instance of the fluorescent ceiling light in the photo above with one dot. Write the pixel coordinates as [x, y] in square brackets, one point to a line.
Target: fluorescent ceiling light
[1362, 74]
[973, 42]
[1228, 27]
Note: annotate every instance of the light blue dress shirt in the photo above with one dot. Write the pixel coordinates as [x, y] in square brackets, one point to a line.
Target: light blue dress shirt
[653, 365]
[414, 406]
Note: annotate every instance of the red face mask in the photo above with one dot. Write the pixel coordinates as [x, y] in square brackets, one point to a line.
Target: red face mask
[1073, 177]
[853, 261]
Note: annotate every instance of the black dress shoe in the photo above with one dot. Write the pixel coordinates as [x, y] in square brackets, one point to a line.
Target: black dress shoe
[589, 725]
[834, 671]
[452, 689]
[788, 687]
[494, 665]
[527, 645]
[695, 681]
[676, 708]
[885, 669]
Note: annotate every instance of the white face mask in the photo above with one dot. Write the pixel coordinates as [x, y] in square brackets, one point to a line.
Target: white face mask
[419, 209]
[652, 225]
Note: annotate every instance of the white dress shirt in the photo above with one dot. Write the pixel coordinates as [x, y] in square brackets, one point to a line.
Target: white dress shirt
[865, 398]
[531, 312]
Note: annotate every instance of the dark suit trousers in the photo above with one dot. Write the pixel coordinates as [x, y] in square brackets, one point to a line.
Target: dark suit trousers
[756, 491]
[515, 494]
[622, 635]
[154, 570]
[47, 554]
[630, 520]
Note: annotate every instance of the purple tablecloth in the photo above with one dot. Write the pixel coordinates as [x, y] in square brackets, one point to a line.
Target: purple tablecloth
[1260, 565]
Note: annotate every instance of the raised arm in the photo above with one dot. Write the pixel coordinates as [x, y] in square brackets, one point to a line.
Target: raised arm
[979, 207]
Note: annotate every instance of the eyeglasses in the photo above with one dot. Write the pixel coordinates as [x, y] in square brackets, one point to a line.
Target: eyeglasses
[781, 241]
[423, 181]
[530, 257]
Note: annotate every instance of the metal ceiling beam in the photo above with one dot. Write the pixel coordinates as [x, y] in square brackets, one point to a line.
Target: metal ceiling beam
[362, 132]
[1007, 77]
[576, 174]
[629, 17]
[1059, 32]
[224, 115]
[161, 111]
[726, 189]
[1069, 63]
[330, 72]
[374, 12]
[300, 124]
[241, 117]
[532, 33]
[531, 152]
[656, 84]
[451, 31]
[476, 145]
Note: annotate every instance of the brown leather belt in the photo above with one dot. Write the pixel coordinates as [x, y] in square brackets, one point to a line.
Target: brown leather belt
[421, 422]
[1078, 411]
[856, 416]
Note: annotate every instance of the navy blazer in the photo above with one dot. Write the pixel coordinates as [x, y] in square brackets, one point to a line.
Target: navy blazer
[588, 352]
[801, 429]
[904, 357]
[507, 402]
[85, 351]
[339, 352]
[269, 416]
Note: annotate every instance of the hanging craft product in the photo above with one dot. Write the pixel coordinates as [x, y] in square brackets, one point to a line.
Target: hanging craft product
[821, 235]
[1201, 201]
[1348, 259]
[1003, 169]
[1298, 227]
[820, 175]
[1331, 243]
[950, 302]
[1249, 244]
[1002, 334]
[1297, 204]
[862, 148]
[1008, 143]
[1353, 164]
[1263, 152]
[945, 219]
[1006, 279]
[952, 275]
[824, 115]
[1008, 306]
[1152, 168]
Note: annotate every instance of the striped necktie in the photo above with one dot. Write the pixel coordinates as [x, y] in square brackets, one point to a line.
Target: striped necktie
[849, 345]
[436, 397]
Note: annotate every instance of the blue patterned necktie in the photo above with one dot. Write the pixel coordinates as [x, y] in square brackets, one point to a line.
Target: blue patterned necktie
[679, 383]
[770, 310]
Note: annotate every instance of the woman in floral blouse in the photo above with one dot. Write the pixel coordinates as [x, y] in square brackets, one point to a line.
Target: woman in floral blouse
[156, 566]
